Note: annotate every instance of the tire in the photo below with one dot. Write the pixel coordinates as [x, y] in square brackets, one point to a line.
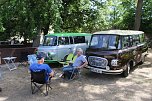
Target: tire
[126, 71]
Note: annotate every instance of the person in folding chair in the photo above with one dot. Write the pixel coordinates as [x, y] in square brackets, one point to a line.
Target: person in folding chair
[72, 70]
[40, 73]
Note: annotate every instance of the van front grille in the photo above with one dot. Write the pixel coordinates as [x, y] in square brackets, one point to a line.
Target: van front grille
[98, 61]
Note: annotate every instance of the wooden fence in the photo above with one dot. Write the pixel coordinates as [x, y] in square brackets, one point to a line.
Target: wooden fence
[17, 52]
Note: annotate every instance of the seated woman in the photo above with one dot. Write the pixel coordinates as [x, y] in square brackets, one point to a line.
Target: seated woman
[79, 63]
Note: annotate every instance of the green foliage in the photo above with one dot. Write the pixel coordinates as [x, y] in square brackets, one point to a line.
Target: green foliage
[146, 22]
[27, 18]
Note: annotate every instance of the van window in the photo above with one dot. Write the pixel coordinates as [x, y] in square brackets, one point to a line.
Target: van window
[94, 41]
[50, 41]
[71, 40]
[79, 39]
[105, 42]
[142, 38]
[63, 40]
[136, 40]
[125, 42]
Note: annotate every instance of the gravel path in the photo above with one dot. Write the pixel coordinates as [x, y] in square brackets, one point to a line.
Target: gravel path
[90, 87]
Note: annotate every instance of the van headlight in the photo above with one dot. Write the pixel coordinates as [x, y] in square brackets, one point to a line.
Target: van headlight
[114, 62]
[52, 53]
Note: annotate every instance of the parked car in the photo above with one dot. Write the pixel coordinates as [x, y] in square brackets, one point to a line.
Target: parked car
[57, 46]
[116, 51]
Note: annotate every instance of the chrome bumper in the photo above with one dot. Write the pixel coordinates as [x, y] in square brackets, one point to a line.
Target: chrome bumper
[104, 71]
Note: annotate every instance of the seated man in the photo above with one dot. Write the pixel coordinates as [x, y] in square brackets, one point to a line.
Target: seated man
[79, 63]
[40, 66]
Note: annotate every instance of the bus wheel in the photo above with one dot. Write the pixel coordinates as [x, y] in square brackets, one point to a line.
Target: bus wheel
[126, 71]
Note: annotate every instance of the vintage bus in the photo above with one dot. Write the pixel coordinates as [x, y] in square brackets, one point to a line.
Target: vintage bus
[116, 51]
[57, 46]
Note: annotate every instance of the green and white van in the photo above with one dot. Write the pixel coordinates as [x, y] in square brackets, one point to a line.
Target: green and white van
[58, 45]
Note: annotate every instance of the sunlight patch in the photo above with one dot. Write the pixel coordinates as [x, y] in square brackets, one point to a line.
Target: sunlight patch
[3, 98]
[64, 84]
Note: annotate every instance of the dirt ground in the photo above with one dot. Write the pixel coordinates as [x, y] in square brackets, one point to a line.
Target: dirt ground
[90, 87]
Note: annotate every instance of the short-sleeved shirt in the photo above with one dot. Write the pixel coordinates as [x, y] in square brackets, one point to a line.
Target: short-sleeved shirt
[35, 67]
[79, 61]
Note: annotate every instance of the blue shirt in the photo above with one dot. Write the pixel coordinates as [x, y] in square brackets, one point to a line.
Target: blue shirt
[79, 61]
[38, 67]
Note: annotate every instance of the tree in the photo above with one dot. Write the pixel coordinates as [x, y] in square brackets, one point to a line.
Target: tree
[146, 22]
[27, 18]
[138, 14]
[82, 16]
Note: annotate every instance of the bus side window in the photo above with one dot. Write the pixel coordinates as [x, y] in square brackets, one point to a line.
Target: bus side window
[131, 41]
[63, 40]
[79, 39]
[142, 38]
[125, 42]
[136, 40]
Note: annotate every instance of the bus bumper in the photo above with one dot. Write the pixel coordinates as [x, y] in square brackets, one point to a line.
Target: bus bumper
[104, 71]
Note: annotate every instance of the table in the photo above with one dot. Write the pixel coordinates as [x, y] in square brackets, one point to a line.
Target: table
[9, 61]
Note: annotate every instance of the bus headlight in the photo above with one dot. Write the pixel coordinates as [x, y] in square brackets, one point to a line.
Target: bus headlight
[114, 62]
[52, 53]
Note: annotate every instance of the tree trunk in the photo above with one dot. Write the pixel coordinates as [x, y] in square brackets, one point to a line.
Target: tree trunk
[46, 28]
[36, 40]
[138, 15]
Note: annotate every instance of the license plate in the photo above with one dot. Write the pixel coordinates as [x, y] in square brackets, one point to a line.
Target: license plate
[96, 70]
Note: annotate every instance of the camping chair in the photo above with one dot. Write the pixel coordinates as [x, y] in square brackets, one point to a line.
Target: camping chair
[32, 59]
[75, 72]
[74, 58]
[38, 80]
[67, 59]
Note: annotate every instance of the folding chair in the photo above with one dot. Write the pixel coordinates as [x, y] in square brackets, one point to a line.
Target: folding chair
[74, 58]
[32, 59]
[67, 59]
[38, 80]
[75, 73]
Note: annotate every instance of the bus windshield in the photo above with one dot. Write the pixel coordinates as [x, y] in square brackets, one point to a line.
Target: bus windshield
[50, 41]
[105, 42]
